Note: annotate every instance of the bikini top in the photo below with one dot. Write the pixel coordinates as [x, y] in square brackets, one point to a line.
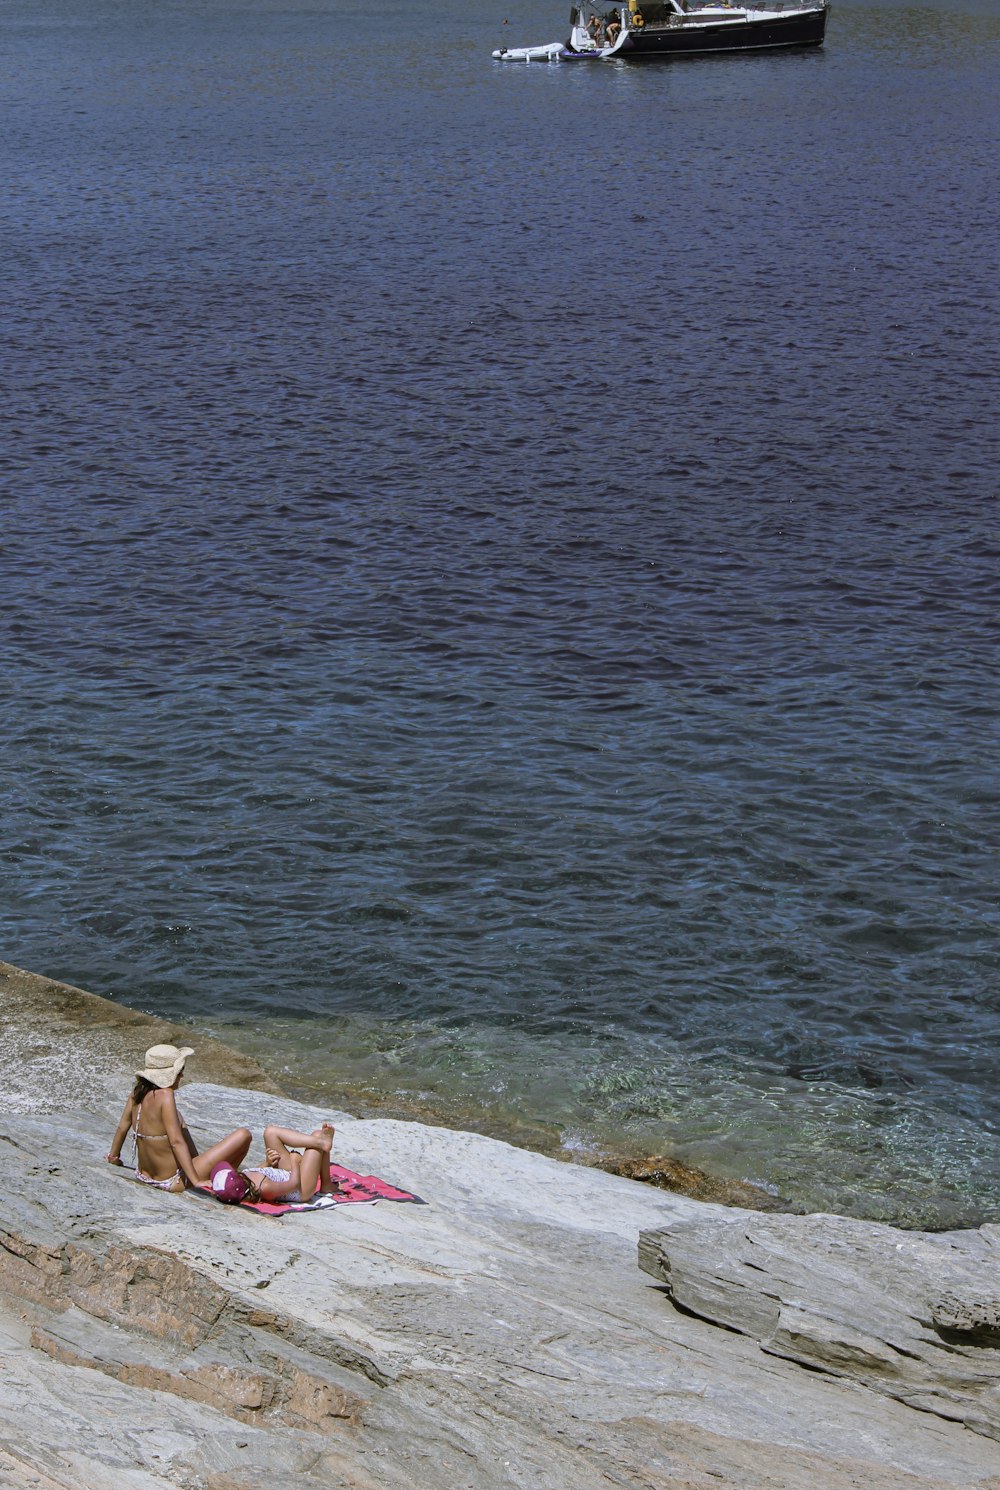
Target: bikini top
[148, 1137]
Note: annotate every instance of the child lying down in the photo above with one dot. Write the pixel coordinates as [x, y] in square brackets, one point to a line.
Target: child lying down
[287, 1176]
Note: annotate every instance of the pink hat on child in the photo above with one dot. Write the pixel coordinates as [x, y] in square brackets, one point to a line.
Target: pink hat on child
[228, 1184]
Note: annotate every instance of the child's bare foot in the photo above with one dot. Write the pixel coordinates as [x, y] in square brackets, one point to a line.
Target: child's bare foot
[324, 1133]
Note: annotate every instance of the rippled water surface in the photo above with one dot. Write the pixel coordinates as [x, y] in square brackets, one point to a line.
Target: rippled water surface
[499, 574]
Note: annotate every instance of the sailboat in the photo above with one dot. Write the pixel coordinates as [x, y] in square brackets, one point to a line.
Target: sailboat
[680, 28]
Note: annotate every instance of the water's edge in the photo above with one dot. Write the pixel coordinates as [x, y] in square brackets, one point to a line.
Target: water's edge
[41, 1016]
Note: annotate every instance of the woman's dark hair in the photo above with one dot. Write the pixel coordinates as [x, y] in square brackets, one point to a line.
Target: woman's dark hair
[142, 1088]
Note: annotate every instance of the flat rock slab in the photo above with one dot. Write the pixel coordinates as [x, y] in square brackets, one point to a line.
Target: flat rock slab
[497, 1336]
[913, 1314]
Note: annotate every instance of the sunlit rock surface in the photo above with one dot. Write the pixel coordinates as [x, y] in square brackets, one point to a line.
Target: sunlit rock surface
[497, 1335]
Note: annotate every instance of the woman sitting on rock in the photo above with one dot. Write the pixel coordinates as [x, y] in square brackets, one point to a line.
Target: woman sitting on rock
[165, 1154]
[287, 1176]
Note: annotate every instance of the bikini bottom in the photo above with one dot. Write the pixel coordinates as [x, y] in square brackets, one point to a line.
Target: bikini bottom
[146, 1179]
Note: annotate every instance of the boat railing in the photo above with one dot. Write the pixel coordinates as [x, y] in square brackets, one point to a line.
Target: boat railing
[785, 4]
[692, 7]
[657, 14]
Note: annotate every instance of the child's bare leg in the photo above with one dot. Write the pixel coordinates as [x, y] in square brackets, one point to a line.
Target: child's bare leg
[275, 1148]
[320, 1139]
[314, 1163]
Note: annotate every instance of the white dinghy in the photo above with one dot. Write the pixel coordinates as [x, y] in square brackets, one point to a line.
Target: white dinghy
[550, 52]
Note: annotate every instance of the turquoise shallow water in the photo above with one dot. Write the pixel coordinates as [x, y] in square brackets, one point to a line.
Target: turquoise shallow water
[500, 571]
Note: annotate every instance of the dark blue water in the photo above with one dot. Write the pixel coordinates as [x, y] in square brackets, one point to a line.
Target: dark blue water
[499, 570]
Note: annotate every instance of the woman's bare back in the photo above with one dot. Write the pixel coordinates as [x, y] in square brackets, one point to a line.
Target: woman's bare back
[154, 1151]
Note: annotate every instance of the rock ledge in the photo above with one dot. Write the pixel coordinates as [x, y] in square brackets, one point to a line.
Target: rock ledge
[914, 1315]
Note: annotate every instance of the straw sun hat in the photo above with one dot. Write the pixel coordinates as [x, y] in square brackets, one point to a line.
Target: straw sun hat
[164, 1063]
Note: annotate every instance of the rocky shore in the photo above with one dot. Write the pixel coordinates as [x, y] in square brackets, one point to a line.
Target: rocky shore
[500, 1334]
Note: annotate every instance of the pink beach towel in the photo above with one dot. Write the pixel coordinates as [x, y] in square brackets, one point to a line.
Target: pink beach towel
[352, 1189]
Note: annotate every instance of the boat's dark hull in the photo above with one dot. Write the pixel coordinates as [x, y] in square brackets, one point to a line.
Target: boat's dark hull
[801, 29]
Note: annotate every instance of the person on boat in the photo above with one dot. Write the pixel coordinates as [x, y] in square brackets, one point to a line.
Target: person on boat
[612, 31]
[165, 1155]
[594, 30]
[288, 1175]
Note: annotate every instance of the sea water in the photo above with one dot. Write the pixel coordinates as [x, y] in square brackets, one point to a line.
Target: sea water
[498, 590]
